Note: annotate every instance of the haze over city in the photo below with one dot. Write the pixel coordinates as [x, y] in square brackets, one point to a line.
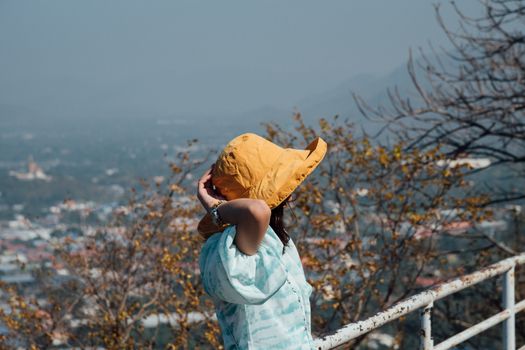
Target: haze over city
[98, 58]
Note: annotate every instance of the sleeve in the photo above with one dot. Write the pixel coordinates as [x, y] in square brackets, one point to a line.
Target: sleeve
[234, 277]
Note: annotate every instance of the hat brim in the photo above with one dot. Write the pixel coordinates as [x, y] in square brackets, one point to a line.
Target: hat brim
[301, 169]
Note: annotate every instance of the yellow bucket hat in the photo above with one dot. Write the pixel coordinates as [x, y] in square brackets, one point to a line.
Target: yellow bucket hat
[252, 167]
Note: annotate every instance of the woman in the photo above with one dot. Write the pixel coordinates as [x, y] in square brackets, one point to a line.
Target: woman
[249, 265]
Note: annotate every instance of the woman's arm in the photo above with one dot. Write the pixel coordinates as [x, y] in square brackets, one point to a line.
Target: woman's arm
[251, 216]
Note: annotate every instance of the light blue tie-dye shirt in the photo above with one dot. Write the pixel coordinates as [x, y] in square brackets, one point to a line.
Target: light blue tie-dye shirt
[262, 301]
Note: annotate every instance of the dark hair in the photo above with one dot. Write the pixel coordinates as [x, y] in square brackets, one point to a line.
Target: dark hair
[277, 223]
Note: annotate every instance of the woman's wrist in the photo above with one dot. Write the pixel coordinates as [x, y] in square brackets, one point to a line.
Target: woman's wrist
[216, 203]
[215, 215]
[213, 203]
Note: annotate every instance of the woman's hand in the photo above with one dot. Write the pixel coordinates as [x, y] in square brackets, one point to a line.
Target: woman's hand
[207, 196]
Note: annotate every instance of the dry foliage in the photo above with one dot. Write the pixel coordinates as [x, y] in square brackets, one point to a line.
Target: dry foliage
[369, 223]
[140, 269]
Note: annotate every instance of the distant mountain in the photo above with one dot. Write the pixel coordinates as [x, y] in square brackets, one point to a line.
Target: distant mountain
[339, 100]
[373, 89]
[211, 127]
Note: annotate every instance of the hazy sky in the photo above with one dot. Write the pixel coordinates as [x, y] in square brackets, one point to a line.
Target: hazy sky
[174, 57]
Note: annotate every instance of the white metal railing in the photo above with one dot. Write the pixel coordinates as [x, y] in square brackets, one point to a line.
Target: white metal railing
[425, 302]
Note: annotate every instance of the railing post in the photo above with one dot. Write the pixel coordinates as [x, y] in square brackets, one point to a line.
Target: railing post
[509, 334]
[426, 342]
